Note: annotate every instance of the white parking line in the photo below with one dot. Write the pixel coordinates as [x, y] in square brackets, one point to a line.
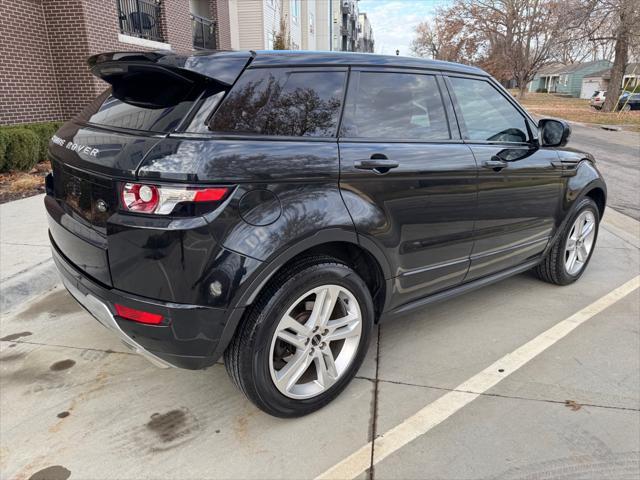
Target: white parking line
[441, 409]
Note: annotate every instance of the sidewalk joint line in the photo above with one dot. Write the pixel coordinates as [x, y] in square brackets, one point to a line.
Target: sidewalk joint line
[25, 270]
[374, 420]
[68, 346]
[512, 397]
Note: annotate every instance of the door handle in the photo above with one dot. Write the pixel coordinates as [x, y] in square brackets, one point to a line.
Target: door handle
[378, 163]
[495, 163]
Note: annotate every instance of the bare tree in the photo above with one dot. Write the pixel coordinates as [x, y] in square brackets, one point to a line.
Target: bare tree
[282, 38]
[512, 39]
[625, 14]
[446, 38]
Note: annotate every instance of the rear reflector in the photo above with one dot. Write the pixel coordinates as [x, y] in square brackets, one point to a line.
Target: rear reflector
[210, 194]
[138, 315]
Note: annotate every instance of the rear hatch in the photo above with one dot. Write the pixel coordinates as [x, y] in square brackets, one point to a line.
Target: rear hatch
[150, 96]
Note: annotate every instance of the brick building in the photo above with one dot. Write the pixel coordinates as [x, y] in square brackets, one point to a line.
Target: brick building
[44, 45]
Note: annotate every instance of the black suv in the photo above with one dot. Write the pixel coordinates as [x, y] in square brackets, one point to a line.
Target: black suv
[272, 207]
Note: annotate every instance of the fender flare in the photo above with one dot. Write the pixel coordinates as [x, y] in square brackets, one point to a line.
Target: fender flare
[287, 252]
[574, 195]
[270, 266]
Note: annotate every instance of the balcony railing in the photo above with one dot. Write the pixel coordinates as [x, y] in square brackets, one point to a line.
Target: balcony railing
[140, 18]
[204, 33]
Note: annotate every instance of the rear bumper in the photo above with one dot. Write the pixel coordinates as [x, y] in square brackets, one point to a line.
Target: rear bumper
[190, 339]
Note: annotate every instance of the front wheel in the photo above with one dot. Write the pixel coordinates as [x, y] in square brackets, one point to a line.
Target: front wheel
[568, 258]
[304, 339]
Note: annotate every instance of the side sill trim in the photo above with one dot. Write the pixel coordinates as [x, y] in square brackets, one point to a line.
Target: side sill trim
[459, 290]
[508, 249]
[435, 266]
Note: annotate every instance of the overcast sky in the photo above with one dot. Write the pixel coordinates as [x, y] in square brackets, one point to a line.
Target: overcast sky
[394, 21]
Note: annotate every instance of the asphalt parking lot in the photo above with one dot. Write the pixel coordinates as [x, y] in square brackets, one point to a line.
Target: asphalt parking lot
[76, 404]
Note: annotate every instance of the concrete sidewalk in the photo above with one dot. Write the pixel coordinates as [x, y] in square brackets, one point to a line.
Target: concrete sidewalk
[26, 267]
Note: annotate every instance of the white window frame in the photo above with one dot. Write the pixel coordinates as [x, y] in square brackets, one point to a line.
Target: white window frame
[295, 10]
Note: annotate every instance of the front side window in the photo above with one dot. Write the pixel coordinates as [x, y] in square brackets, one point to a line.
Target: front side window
[388, 105]
[486, 114]
[284, 103]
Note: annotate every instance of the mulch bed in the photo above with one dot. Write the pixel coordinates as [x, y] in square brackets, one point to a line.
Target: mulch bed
[17, 185]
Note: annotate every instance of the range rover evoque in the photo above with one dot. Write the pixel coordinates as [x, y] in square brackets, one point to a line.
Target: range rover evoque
[271, 207]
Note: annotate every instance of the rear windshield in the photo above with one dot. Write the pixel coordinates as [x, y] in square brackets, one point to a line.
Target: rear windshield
[108, 111]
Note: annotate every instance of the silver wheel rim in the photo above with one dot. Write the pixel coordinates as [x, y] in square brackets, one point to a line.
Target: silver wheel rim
[315, 341]
[580, 242]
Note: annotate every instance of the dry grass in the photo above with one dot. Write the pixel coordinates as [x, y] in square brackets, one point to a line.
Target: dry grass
[576, 110]
[16, 185]
[25, 182]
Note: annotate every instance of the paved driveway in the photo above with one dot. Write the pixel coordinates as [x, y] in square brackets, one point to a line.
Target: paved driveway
[76, 404]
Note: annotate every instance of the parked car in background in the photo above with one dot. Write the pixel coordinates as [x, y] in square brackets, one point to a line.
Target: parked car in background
[628, 101]
[271, 208]
[597, 99]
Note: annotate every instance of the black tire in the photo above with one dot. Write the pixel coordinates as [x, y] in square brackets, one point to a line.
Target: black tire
[247, 357]
[552, 268]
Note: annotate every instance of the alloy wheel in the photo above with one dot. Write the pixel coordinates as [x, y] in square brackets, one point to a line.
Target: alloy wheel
[580, 242]
[315, 341]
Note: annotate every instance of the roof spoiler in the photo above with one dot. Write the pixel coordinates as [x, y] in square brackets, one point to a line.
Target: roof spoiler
[163, 79]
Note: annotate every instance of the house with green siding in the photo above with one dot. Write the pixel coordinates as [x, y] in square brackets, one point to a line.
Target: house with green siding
[565, 79]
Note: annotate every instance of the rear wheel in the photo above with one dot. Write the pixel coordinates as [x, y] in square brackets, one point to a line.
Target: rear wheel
[568, 258]
[304, 339]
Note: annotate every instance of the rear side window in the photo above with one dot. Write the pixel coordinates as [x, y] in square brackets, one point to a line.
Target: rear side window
[395, 106]
[108, 111]
[486, 114]
[283, 103]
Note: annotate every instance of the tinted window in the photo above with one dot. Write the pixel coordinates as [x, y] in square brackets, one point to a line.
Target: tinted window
[280, 102]
[486, 114]
[395, 106]
[108, 111]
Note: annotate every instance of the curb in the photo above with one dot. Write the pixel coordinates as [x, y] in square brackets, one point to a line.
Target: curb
[23, 287]
[623, 226]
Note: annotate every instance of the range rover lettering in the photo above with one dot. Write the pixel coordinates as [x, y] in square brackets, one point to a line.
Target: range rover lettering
[269, 208]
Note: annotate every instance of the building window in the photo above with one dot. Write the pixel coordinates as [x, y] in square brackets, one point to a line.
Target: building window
[140, 18]
[204, 33]
[295, 10]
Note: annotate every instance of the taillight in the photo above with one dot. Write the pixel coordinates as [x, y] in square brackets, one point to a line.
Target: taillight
[140, 198]
[139, 316]
[161, 200]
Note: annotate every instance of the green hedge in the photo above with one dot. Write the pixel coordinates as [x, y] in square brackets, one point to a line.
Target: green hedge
[3, 151]
[23, 149]
[23, 146]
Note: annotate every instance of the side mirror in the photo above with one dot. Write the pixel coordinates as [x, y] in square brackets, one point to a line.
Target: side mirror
[553, 133]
